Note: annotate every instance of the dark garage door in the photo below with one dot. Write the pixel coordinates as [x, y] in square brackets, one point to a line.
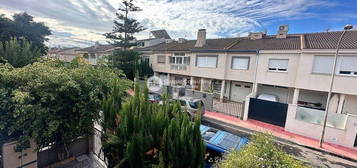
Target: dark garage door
[267, 111]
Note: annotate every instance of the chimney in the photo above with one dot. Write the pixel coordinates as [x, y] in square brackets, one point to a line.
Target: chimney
[302, 41]
[283, 31]
[256, 35]
[181, 40]
[201, 38]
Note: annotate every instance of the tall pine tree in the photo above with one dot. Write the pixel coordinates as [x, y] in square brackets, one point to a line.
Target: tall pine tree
[125, 27]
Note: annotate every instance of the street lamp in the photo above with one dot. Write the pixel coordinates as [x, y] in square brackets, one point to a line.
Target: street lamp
[346, 28]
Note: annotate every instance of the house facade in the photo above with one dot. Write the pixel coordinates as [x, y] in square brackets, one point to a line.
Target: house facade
[293, 69]
[65, 54]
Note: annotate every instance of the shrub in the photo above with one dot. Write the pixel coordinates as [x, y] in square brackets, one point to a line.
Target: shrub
[260, 152]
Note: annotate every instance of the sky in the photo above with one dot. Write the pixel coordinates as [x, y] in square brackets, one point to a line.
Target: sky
[83, 22]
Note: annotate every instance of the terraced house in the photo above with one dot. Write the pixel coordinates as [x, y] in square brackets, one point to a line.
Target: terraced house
[292, 71]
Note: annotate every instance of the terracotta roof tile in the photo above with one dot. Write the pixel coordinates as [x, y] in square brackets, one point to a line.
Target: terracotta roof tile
[329, 40]
[324, 40]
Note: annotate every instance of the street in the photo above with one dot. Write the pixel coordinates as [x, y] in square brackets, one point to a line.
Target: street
[310, 156]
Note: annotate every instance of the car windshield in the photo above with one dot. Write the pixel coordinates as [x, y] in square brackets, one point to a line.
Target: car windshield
[153, 97]
[194, 104]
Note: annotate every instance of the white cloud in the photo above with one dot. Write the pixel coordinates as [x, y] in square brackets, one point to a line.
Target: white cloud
[84, 21]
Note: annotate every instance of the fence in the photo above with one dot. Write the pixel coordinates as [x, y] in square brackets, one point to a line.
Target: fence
[317, 116]
[49, 156]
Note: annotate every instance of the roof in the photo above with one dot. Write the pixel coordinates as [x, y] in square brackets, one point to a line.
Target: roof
[323, 40]
[97, 48]
[268, 43]
[329, 40]
[160, 34]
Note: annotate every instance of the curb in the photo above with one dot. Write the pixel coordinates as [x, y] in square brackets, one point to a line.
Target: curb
[247, 131]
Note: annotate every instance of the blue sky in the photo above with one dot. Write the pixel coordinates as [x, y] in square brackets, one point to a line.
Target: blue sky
[82, 22]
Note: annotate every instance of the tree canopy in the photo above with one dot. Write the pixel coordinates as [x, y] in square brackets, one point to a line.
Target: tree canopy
[125, 27]
[23, 26]
[51, 101]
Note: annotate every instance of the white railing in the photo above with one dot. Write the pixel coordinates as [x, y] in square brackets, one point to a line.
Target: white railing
[178, 67]
[315, 116]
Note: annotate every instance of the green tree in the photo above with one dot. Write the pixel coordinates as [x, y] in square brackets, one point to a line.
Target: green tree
[125, 27]
[19, 53]
[24, 27]
[125, 60]
[145, 68]
[260, 152]
[151, 135]
[52, 102]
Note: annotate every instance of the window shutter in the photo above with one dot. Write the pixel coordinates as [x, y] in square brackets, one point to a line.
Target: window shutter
[348, 63]
[323, 64]
[240, 63]
[207, 61]
[188, 60]
[278, 64]
[170, 59]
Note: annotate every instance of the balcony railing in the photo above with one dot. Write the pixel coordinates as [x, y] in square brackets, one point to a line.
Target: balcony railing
[178, 67]
[317, 116]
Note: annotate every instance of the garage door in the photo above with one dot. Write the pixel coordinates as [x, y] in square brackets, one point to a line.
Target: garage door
[239, 91]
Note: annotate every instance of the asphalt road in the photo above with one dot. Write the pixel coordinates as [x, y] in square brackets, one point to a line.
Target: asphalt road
[310, 156]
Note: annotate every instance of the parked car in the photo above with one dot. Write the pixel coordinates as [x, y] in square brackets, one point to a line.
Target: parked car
[192, 105]
[268, 97]
[154, 97]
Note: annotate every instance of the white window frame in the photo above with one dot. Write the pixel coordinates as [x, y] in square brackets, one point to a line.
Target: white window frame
[272, 69]
[215, 56]
[315, 63]
[158, 59]
[180, 59]
[240, 57]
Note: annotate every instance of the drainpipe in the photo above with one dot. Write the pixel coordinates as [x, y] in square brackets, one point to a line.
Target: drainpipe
[254, 90]
[255, 84]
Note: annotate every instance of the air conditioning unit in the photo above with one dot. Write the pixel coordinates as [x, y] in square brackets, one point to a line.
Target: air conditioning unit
[284, 28]
[283, 31]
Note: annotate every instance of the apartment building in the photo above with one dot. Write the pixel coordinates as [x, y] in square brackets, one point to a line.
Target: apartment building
[294, 70]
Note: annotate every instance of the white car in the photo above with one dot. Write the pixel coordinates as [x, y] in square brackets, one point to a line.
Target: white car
[268, 97]
[191, 105]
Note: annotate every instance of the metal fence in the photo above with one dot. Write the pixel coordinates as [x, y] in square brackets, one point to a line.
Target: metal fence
[228, 107]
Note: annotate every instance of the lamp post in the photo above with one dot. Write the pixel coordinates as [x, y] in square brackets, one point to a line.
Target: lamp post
[346, 28]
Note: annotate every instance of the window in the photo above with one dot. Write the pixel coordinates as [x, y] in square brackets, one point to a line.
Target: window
[323, 64]
[278, 65]
[161, 59]
[206, 61]
[241, 63]
[146, 58]
[348, 65]
[180, 59]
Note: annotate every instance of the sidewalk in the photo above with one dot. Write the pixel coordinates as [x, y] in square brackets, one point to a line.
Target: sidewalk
[279, 132]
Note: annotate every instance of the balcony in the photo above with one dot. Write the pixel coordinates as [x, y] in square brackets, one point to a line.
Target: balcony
[315, 116]
[178, 67]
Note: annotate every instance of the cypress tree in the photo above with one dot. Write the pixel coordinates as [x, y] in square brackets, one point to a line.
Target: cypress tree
[151, 135]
